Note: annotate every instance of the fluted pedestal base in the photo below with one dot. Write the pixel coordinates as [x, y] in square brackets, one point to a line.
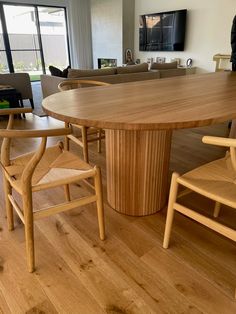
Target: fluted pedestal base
[137, 170]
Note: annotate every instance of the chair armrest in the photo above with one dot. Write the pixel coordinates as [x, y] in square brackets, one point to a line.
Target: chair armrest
[219, 141]
[4, 112]
[33, 133]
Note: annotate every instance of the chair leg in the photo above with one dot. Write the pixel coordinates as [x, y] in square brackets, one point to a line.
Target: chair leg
[216, 209]
[9, 208]
[232, 133]
[67, 141]
[85, 143]
[100, 209]
[22, 106]
[67, 192]
[170, 210]
[99, 141]
[32, 103]
[29, 229]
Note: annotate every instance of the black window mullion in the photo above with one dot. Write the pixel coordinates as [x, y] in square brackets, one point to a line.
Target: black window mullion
[6, 40]
[40, 39]
[22, 49]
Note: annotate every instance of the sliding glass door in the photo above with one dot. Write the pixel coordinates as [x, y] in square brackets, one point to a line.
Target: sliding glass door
[53, 31]
[3, 56]
[23, 39]
[34, 36]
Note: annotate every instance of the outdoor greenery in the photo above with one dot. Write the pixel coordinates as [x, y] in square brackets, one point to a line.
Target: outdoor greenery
[34, 77]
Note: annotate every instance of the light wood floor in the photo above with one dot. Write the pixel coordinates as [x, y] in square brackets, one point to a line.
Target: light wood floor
[129, 272]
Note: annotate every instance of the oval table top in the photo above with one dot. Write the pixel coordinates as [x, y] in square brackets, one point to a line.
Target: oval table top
[160, 104]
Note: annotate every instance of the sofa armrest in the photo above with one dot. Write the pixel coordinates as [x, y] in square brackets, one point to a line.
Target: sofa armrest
[49, 84]
[172, 72]
[20, 81]
[177, 72]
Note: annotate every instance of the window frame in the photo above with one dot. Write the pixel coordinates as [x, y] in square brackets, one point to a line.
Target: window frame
[6, 40]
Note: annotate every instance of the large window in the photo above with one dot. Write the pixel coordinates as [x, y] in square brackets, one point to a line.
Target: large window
[3, 57]
[32, 38]
[54, 36]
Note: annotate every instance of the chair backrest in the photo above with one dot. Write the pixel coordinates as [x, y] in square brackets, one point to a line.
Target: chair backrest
[224, 142]
[20, 81]
[73, 84]
[222, 62]
[29, 165]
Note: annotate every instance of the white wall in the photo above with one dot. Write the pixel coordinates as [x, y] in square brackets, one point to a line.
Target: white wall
[208, 29]
[106, 29]
[128, 25]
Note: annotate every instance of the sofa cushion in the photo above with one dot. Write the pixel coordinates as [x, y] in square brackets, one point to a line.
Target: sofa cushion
[128, 77]
[76, 73]
[164, 66]
[133, 68]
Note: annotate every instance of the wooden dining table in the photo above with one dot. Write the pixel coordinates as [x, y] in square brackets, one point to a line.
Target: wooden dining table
[138, 118]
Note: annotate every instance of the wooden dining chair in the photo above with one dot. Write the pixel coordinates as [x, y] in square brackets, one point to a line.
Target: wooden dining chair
[222, 62]
[43, 169]
[87, 134]
[215, 180]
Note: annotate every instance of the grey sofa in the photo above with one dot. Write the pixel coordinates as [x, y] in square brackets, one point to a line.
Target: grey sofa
[21, 82]
[50, 83]
[112, 75]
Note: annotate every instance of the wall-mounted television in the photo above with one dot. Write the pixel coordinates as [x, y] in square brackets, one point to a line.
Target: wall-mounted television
[164, 31]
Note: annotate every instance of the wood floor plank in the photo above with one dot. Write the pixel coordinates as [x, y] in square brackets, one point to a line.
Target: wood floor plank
[190, 253]
[208, 241]
[4, 308]
[166, 297]
[19, 288]
[99, 277]
[137, 274]
[191, 256]
[196, 288]
[224, 295]
[59, 282]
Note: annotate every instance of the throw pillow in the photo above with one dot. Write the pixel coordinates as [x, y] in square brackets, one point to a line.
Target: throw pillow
[133, 68]
[57, 72]
[65, 71]
[164, 66]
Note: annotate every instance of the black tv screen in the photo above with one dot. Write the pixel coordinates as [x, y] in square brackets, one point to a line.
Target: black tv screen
[163, 31]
